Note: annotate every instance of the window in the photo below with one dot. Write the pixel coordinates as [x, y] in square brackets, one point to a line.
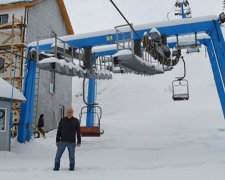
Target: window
[4, 18]
[61, 111]
[2, 119]
[52, 83]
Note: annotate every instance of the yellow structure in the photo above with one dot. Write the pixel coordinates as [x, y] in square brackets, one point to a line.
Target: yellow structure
[12, 50]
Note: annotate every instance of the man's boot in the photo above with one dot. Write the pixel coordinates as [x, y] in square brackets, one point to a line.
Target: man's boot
[71, 167]
[56, 168]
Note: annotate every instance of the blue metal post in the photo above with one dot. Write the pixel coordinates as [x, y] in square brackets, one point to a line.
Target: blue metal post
[91, 100]
[219, 47]
[25, 125]
[217, 74]
[217, 54]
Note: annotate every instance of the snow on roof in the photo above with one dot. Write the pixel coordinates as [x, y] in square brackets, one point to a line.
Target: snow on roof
[6, 91]
[3, 2]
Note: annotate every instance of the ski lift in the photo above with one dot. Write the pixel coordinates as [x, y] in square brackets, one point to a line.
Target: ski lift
[180, 88]
[93, 131]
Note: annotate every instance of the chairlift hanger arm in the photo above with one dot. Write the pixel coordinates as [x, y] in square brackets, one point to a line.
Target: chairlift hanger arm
[85, 102]
[181, 78]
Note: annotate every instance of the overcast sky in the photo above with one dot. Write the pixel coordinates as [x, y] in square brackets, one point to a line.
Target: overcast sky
[95, 15]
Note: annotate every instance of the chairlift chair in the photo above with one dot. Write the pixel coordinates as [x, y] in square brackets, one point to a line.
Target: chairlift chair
[93, 131]
[180, 90]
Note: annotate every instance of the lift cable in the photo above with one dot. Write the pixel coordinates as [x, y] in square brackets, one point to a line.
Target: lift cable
[126, 20]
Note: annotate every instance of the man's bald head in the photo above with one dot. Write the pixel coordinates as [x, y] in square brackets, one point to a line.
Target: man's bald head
[69, 112]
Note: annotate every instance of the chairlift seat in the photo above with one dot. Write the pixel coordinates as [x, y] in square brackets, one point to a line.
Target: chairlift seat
[94, 131]
[180, 97]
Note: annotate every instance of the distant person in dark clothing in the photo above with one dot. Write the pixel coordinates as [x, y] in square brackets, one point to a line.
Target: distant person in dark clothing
[40, 126]
[68, 130]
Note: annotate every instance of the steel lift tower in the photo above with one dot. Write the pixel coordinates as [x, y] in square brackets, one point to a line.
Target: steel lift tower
[206, 30]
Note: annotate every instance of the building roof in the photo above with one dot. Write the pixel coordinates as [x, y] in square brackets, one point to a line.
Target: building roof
[6, 91]
[11, 4]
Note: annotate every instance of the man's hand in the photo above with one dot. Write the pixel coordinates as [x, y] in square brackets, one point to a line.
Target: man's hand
[78, 145]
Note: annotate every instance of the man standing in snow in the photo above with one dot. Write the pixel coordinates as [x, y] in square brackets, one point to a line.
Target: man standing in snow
[68, 130]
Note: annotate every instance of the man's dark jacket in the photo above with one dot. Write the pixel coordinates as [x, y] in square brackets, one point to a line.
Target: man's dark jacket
[68, 129]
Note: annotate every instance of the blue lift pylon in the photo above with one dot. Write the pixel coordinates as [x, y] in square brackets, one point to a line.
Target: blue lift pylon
[209, 25]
